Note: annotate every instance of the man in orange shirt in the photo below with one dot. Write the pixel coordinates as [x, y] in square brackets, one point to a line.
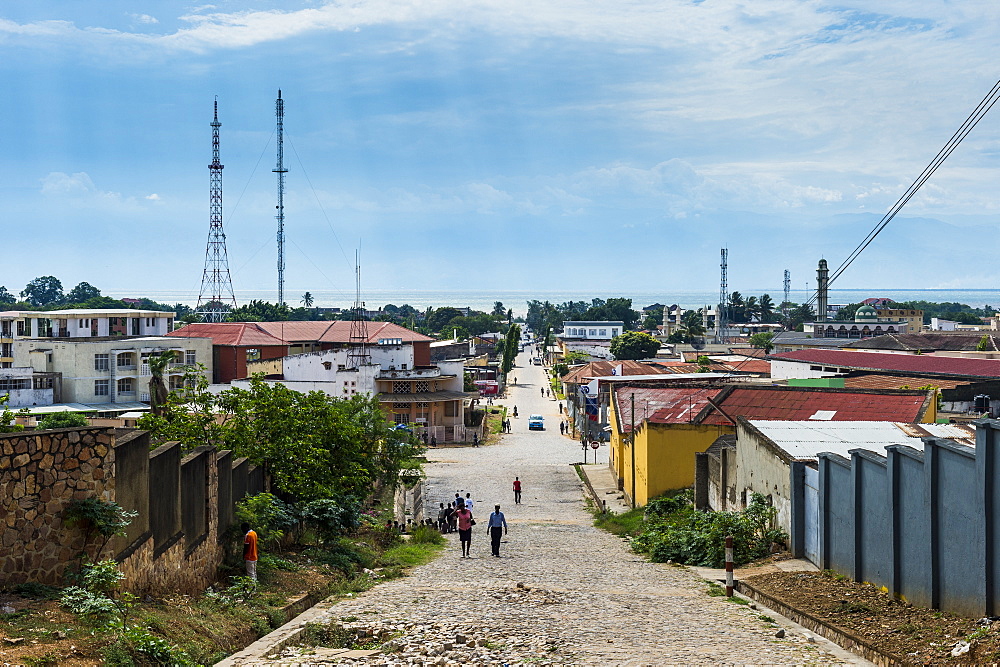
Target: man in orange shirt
[250, 550]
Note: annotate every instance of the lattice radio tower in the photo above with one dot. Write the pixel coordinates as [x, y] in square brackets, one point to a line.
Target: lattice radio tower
[788, 289]
[722, 316]
[279, 112]
[357, 354]
[216, 295]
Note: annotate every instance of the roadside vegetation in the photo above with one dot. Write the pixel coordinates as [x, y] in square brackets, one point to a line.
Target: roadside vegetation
[669, 528]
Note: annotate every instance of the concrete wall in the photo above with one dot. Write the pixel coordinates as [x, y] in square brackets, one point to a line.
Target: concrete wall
[665, 457]
[923, 525]
[761, 468]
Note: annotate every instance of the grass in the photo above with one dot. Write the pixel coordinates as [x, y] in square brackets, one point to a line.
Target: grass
[626, 524]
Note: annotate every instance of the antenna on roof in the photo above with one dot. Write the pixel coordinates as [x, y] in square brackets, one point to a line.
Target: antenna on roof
[357, 354]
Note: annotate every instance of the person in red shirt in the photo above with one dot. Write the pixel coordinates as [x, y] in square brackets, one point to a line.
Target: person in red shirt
[517, 491]
[250, 550]
[465, 523]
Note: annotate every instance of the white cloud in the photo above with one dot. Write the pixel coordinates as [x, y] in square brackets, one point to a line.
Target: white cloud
[59, 184]
[153, 197]
[144, 19]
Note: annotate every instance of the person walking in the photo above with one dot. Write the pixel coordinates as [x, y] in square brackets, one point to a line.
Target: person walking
[465, 523]
[448, 512]
[442, 522]
[453, 517]
[468, 501]
[562, 428]
[496, 527]
[475, 439]
[249, 550]
[517, 491]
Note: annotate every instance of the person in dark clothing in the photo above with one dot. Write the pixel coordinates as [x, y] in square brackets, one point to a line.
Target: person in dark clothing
[496, 526]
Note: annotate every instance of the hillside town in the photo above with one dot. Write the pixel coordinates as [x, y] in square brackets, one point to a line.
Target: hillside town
[813, 427]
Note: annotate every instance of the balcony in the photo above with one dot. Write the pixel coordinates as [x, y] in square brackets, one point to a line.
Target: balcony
[419, 373]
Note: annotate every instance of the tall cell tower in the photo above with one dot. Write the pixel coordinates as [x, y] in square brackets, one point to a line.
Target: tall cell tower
[216, 295]
[788, 288]
[279, 112]
[722, 316]
[358, 355]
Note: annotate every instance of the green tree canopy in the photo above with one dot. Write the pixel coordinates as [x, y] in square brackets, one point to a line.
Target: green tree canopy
[314, 445]
[82, 292]
[634, 345]
[6, 297]
[43, 291]
[260, 311]
[63, 420]
[438, 319]
[762, 341]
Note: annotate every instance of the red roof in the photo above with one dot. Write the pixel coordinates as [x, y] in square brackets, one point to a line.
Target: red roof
[683, 405]
[339, 331]
[803, 403]
[603, 368]
[240, 334]
[923, 364]
[680, 405]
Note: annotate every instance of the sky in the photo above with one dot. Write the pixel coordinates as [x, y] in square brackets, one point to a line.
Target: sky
[551, 144]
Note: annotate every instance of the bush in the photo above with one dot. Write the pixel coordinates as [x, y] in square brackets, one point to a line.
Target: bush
[63, 420]
[424, 534]
[331, 518]
[268, 516]
[675, 531]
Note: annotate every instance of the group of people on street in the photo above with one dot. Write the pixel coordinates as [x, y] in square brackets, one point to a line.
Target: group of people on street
[505, 426]
[457, 516]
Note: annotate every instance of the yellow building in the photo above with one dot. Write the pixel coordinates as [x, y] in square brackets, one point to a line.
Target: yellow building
[656, 432]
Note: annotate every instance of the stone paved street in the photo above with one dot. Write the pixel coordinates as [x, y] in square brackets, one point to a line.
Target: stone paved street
[584, 597]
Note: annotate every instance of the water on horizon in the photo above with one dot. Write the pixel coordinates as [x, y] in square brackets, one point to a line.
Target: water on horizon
[517, 299]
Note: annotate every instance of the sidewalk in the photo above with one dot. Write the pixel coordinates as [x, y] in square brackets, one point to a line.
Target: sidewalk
[605, 487]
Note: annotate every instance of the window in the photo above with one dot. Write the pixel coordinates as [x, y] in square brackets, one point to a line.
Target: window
[20, 327]
[401, 387]
[7, 350]
[100, 387]
[126, 360]
[816, 368]
[593, 332]
[135, 326]
[190, 357]
[170, 324]
[101, 362]
[614, 332]
[421, 386]
[403, 418]
[126, 386]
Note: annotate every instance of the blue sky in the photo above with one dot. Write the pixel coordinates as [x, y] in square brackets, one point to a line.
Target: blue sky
[556, 144]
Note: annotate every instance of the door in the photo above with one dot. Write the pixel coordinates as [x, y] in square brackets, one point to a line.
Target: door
[811, 498]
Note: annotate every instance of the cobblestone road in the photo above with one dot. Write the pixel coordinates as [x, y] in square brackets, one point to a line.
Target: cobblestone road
[583, 598]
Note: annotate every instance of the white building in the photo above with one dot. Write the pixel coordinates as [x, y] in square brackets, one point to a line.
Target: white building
[24, 387]
[600, 331]
[78, 323]
[109, 370]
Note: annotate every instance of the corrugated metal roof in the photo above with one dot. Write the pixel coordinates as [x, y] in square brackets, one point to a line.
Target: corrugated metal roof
[931, 341]
[663, 405]
[883, 381]
[241, 334]
[603, 368]
[909, 363]
[339, 331]
[792, 403]
[807, 439]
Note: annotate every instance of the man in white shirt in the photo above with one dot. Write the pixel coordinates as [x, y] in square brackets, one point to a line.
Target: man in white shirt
[468, 501]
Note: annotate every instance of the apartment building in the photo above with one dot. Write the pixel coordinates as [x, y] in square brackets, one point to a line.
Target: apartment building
[78, 323]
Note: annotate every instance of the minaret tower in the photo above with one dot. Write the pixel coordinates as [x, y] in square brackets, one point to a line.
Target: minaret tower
[216, 295]
[822, 290]
[279, 112]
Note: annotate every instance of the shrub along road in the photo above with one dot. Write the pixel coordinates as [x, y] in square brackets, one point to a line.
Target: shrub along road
[563, 591]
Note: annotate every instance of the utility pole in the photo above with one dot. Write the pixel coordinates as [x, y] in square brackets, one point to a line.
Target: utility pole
[279, 112]
[216, 294]
[631, 435]
[788, 289]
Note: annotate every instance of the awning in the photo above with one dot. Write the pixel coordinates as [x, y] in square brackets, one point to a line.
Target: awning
[427, 397]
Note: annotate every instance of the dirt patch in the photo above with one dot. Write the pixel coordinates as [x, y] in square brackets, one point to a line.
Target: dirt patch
[912, 634]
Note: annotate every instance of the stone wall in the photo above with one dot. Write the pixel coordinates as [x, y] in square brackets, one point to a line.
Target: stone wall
[41, 472]
[173, 544]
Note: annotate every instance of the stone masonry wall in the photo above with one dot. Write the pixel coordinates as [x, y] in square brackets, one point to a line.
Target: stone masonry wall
[41, 472]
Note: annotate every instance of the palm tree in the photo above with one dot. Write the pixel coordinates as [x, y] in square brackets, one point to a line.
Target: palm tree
[752, 308]
[158, 365]
[766, 308]
[498, 309]
[307, 299]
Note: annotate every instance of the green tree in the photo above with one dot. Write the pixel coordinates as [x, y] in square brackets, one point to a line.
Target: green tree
[498, 310]
[573, 358]
[63, 420]
[762, 341]
[800, 314]
[634, 345]
[737, 308]
[766, 308]
[983, 344]
[307, 300]
[260, 311]
[510, 348]
[752, 309]
[82, 292]
[6, 297]
[847, 312]
[439, 319]
[43, 291]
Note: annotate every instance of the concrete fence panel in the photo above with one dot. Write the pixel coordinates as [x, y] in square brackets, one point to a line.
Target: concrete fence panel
[194, 495]
[911, 538]
[132, 484]
[872, 519]
[224, 465]
[165, 495]
[836, 507]
[240, 478]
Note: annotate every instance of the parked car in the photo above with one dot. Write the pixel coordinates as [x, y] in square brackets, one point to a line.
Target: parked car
[536, 423]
